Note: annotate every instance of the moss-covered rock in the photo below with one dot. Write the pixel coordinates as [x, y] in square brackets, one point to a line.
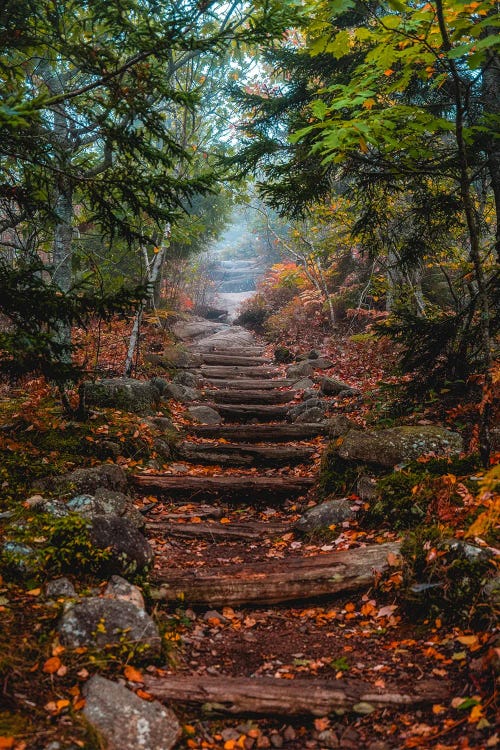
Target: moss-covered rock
[125, 394]
[397, 445]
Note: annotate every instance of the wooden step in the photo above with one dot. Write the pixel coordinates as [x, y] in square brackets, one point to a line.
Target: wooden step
[269, 696]
[234, 360]
[215, 531]
[273, 489]
[247, 412]
[225, 373]
[260, 433]
[244, 454]
[277, 581]
[249, 384]
[251, 397]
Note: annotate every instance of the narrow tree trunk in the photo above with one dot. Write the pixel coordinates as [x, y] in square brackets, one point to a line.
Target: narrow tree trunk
[491, 105]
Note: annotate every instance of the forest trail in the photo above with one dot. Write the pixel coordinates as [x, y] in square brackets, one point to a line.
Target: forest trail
[277, 626]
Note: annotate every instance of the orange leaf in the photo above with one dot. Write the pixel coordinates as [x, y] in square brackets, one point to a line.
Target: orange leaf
[388, 72]
[132, 674]
[349, 607]
[321, 724]
[145, 696]
[6, 742]
[52, 665]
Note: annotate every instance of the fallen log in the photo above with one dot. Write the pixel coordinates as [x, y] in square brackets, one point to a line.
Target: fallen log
[234, 359]
[236, 488]
[251, 397]
[268, 696]
[251, 531]
[245, 454]
[296, 578]
[208, 371]
[245, 412]
[261, 433]
[250, 384]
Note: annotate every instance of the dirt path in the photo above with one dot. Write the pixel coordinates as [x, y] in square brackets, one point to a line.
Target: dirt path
[338, 665]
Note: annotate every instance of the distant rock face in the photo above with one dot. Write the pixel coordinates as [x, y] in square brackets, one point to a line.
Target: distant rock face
[130, 551]
[204, 414]
[397, 445]
[125, 721]
[326, 514]
[126, 394]
[101, 621]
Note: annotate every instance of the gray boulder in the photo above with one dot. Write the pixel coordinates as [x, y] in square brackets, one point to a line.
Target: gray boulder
[55, 508]
[163, 424]
[397, 445]
[326, 514]
[162, 448]
[321, 363]
[331, 386]
[102, 621]
[311, 416]
[60, 588]
[87, 481]
[19, 558]
[130, 551]
[119, 588]
[187, 378]
[306, 406]
[125, 721]
[310, 393]
[86, 506]
[204, 414]
[300, 370]
[125, 394]
[303, 384]
[118, 504]
[338, 425]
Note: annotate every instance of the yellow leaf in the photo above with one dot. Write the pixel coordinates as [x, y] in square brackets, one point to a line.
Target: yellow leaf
[438, 709]
[363, 146]
[468, 640]
[475, 714]
[368, 103]
[34, 592]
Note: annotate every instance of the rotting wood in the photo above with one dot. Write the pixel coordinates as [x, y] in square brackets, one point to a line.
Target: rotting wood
[245, 412]
[246, 453]
[208, 371]
[251, 397]
[250, 531]
[267, 696]
[260, 433]
[273, 488]
[277, 581]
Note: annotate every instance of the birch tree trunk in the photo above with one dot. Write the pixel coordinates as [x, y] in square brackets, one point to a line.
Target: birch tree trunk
[153, 272]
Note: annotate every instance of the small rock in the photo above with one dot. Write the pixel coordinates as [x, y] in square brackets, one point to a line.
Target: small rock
[378, 745]
[59, 588]
[130, 551]
[212, 614]
[204, 414]
[113, 503]
[313, 354]
[55, 508]
[328, 738]
[310, 393]
[107, 449]
[163, 424]
[20, 558]
[299, 409]
[314, 415]
[331, 386]
[187, 378]
[86, 481]
[326, 514]
[339, 425]
[119, 588]
[289, 734]
[125, 721]
[300, 370]
[276, 740]
[303, 384]
[35, 501]
[322, 363]
[162, 448]
[99, 622]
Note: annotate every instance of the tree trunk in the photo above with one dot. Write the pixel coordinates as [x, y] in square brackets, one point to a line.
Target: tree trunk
[251, 397]
[245, 454]
[268, 696]
[207, 371]
[261, 433]
[244, 413]
[251, 531]
[491, 105]
[278, 581]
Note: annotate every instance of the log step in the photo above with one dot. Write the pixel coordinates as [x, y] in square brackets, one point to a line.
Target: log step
[233, 359]
[260, 433]
[268, 696]
[236, 488]
[219, 531]
[249, 384]
[246, 412]
[276, 582]
[208, 371]
[251, 397]
[244, 454]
